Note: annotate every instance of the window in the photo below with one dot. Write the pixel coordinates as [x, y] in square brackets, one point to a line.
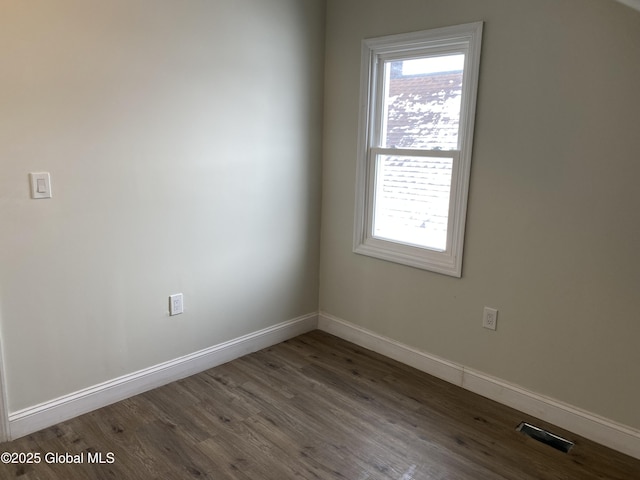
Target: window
[418, 95]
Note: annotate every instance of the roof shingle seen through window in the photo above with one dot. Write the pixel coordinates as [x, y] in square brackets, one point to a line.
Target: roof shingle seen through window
[423, 111]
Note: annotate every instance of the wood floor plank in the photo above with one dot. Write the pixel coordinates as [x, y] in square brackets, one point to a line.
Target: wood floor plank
[313, 407]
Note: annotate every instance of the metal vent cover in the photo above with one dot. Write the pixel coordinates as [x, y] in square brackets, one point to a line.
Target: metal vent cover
[545, 437]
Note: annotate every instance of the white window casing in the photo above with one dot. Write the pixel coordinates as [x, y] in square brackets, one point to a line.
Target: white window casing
[437, 243]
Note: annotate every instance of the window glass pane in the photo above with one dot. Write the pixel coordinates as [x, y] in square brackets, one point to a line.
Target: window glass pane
[421, 103]
[412, 200]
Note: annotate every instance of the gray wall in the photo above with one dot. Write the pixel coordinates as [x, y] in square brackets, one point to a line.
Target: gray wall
[553, 225]
[184, 145]
[210, 112]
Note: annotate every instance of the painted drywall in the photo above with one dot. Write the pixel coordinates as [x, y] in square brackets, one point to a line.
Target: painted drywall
[184, 145]
[552, 227]
[635, 4]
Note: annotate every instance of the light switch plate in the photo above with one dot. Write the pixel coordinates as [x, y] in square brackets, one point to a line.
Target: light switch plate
[40, 185]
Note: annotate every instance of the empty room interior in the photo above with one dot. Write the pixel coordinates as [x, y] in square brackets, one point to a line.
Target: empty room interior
[200, 276]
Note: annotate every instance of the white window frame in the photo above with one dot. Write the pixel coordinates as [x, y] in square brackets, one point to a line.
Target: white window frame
[461, 38]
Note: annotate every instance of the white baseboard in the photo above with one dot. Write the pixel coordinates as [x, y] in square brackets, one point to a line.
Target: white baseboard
[586, 424]
[41, 416]
[435, 366]
[601, 430]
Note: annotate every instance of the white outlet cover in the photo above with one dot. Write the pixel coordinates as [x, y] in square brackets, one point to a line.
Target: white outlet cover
[490, 318]
[176, 304]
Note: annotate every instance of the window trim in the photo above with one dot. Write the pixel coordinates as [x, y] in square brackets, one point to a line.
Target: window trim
[375, 51]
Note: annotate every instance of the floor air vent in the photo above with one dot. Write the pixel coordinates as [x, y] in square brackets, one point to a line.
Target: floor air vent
[543, 436]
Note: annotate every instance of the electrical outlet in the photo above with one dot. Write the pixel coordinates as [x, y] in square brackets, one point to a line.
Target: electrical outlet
[176, 305]
[490, 318]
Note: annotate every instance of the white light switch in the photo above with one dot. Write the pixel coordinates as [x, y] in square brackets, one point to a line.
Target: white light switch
[40, 185]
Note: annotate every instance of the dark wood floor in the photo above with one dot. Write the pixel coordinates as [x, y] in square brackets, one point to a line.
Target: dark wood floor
[314, 407]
